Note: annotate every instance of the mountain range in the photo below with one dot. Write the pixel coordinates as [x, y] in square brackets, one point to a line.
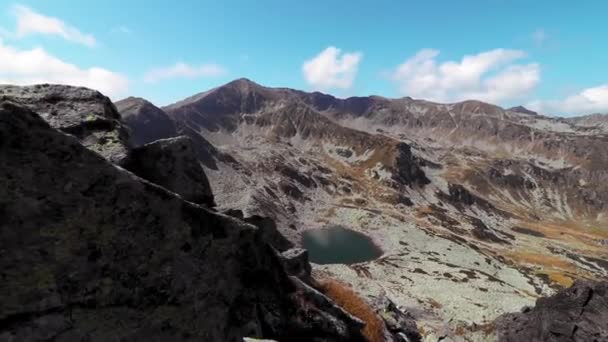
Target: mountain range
[479, 211]
[487, 201]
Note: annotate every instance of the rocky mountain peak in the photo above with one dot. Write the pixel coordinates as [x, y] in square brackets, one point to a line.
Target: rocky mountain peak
[477, 107]
[146, 122]
[522, 110]
[243, 84]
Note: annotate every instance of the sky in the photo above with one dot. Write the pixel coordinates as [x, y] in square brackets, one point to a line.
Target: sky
[550, 56]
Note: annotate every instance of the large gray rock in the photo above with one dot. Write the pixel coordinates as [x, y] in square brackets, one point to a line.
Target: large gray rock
[295, 261]
[91, 252]
[172, 164]
[87, 114]
[268, 228]
[400, 325]
[579, 313]
[329, 318]
[147, 122]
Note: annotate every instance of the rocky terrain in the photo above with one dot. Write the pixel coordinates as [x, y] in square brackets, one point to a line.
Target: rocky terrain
[146, 122]
[91, 251]
[578, 313]
[599, 122]
[501, 206]
[129, 221]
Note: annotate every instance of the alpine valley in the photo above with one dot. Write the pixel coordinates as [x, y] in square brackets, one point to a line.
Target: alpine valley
[129, 221]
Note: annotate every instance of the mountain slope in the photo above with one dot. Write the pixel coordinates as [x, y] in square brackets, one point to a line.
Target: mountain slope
[93, 252]
[488, 202]
[147, 122]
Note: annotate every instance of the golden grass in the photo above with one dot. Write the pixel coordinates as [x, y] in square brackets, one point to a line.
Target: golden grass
[344, 296]
[560, 278]
[545, 260]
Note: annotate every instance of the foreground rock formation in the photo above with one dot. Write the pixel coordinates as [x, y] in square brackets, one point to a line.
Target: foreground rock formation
[84, 113]
[91, 251]
[172, 164]
[579, 313]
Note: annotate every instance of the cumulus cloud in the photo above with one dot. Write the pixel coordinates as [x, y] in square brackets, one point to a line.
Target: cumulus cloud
[183, 70]
[488, 76]
[332, 69]
[587, 101]
[26, 67]
[30, 22]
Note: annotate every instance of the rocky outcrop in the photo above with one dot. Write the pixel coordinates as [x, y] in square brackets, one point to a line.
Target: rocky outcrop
[400, 325]
[522, 110]
[579, 313]
[87, 114]
[147, 122]
[296, 263]
[267, 227]
[93, 252]
[329, 319]
[172, 164]
[407, 168]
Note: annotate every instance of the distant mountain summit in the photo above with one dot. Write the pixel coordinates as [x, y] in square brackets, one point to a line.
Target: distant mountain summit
[523, 110]
[147, 122]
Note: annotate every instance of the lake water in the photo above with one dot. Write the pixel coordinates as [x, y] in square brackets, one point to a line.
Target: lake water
[338, 245]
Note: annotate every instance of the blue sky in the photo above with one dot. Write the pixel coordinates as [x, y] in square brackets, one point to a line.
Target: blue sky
[550, 55]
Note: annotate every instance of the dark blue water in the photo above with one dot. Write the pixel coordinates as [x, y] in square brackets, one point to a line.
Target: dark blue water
[338, 245]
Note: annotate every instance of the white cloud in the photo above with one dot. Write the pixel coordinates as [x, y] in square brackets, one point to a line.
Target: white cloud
[587, 101]
[30, 22]
[332, 69]
[488, 76]
[183, 70]
[26, 67]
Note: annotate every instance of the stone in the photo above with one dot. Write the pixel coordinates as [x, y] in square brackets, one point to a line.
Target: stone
[296, 263]
[400, 325]
[578, 313]
[172, 164]
[119, 258]
[84, 113]
[267, 227]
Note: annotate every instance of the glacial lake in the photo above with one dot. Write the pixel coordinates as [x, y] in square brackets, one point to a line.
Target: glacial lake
[339, 245]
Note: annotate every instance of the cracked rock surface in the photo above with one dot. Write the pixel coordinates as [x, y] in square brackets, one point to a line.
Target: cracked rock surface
[579, 313]
[90, 251]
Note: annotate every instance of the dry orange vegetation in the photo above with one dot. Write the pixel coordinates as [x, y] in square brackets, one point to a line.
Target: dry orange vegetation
[553, 266]
[423, 211]
[344, 296]
[560, 278]
[568, 230]
[546, 260]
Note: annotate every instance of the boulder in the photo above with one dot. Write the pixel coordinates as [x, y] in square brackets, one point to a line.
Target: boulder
[579, 313]
[93, 252]
[327, 318]
[172, 164]
[84, 113]
[268, 228]
[401, 325]
[296, 263]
